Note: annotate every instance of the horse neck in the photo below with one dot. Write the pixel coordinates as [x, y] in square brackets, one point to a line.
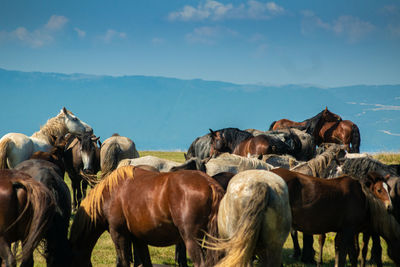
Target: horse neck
[53, 127]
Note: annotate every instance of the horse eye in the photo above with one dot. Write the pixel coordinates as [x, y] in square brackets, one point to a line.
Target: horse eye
[379, 190]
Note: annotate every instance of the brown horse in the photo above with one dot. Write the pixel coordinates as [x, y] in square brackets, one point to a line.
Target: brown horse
[342, 132]
[143, 207]
[26, 211]
[285, 123]
[343, 205]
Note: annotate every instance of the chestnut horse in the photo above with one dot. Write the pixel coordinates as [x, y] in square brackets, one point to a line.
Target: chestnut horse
[342, 132]
[26, 210]
[147, 208]
[343, 205]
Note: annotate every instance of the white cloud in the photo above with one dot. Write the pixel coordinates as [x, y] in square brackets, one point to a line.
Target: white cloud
[39, 37]
[112, 34]
[389, 133]
[208, 35]
[350, 27]
[215, 10]
[80, 32]
[377, 107]
[55, 23]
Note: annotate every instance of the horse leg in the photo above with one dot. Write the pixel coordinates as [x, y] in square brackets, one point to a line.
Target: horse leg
[376, 251]
[308, 250]
[354, 250]
[321, 248]
[84, 187]
[6, 254]
[296, 246]
[122, 245]
[28, 262]
[180, 254]
[364, 250]
[340, 252]
[141, 254]
[75, 186]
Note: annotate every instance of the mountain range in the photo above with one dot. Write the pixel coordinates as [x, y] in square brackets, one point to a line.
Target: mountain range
[161, 113]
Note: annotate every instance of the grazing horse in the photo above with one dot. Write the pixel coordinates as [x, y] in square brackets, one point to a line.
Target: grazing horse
[26, 211]
[168, 208]
[17, 147]
[115, 149]
[308, 124]
[58, 250]
[254, 218]
[343, 205]
[341, 132]
[82, 162]
[162, 165]
[226, 140]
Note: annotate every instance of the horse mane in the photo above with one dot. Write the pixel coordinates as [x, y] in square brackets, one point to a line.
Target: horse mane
[322, 164]
[312, 123]
[93, 202]
[234, 136]
[53, 127]
[192, 150]
[362, 166]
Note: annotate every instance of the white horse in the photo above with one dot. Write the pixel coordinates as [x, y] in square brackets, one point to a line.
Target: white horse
[162, 165]
[115, 149]
[227, 162]
[254, 218]
[17, 147]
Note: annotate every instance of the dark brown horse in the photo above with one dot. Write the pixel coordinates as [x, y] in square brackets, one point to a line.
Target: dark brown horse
[26, 210]
[325, 115]
[82, 161]
[55, 155]
[58, 251]
[147, 208]
[342, 132]
[342, 205]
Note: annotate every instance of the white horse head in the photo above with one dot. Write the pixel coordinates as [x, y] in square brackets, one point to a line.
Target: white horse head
[74, 124]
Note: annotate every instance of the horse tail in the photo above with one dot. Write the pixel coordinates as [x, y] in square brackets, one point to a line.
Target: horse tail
[40, 201]
[355, 139]
[218, 192]
[271, 127]
[242, 244]
[111, 159]
[3, 153]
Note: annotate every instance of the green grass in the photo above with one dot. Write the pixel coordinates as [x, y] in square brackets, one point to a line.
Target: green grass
[104, 252]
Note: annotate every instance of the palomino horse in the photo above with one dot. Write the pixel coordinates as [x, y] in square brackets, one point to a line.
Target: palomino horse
[285, 123]
[26, 211]
[254, 218]
[168, 208]
[160, 164]
[341, 132]
[113, 150]
[343, 205]
[17, 147]
[82, 161]
[58, 250]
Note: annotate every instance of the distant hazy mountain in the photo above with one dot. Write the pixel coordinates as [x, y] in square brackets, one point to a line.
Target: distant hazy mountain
[166, 113]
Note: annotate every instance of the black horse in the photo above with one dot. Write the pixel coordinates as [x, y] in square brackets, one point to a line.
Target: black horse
[57, 250]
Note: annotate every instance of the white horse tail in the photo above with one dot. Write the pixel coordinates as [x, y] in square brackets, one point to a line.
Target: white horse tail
[241, 246]
[3, 153]
[111, 159]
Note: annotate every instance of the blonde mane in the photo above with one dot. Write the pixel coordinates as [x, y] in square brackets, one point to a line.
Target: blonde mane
[54, 127]
[93, 202]
[321, 162]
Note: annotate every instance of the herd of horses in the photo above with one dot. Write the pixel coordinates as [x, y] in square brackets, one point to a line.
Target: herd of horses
[233, 202]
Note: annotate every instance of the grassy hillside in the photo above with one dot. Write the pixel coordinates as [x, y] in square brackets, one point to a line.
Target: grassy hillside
[104, 252]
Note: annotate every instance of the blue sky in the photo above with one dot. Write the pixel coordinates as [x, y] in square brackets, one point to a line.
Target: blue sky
[326, 43]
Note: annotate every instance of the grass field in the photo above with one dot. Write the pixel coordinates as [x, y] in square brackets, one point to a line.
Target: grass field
[104, 252]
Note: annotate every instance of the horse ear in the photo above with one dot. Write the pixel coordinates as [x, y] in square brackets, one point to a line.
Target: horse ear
[185, 155]
[79, 138]
[99, 142]
[212, 133]
[64, 110]
[326, 108]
